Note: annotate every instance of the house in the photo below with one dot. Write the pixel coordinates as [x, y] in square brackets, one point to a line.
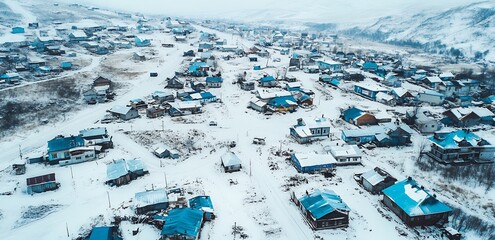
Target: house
[468, 117]
[309, 130]
[60, 146]
[431, 97]
[121, 172]
[161, 96]
[230, 162]
[345, 154]
[182, 224]
[149, 201]
[432, 81]
[329, 64]
[104, 233]
[102, 82]
[414, 205]
[97, 136]
[17, 30]
[268, 81]
[402, 95]
[424, 121]
[323, 209]
[124, 113]
[164, 151]
[175, 83]
[247, 85]
[202, 97]
[33, 25]
[252, 58]
[258, 105]
[214, 82]
[185, 108]
[198, 69]
[388, 134]
[77, 36]
[370, 66]
[446, 76]
[312, 162]
[385, 98]
[282, 104]
[375, 180]
[204, 204]
[358, 117]
[460, 146]
[369, 90]
[42, 183]
[198, 86]
[154, 112]
[80, 155]
[137, 103]
[10, 77]
[142, 42]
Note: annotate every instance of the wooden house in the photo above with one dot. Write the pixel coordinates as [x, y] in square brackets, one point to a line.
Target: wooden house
[460, 147]
[414, 205]
[358, 117]
[323, 209]
[150, 201]
[154, 112]
[369, 90]
[124, 113]
[375, 180]
[468, 117]
[122, 171]
[185, 108]
[175, 83]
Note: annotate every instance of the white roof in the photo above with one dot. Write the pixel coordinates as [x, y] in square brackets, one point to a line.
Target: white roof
[151, 197]
[384, 96]
[313, 159]
[373, 177]
[266, 94]
[446, 75]
[187, 104]
[345, 151]
[79, 34]
[258, 102]
[294, 84]
[434, 79]
[120, 109]
[230, 159]
[371, 86]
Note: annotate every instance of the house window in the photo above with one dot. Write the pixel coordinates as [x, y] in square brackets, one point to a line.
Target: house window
[78, 158]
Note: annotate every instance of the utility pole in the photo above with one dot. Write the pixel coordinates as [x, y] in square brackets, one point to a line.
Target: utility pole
[235, 229]
[108, 196]
[163, 126]
[165, 177]
[20, 152]
[67, 228]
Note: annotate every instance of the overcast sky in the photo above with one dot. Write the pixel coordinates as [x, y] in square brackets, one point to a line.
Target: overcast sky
[339, 11]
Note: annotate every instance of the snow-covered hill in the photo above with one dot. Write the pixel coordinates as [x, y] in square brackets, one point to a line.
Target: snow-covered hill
[470, 28]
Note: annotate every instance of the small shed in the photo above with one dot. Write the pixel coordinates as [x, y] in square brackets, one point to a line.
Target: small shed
[42, 183]
[121, 172]
[230, 162]
[19, 168]
[375, 180]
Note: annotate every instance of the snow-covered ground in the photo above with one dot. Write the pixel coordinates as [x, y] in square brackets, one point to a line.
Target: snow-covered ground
[259, 201]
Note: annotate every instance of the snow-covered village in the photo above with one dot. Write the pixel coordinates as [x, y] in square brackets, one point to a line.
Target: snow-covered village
[265, 120]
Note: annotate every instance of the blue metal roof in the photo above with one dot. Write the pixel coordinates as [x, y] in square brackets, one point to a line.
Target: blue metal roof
[352, 113]
[322, 202]
[214, 79]
[206, 95]
[101, 233]
[267, 79]
[65, 143]
[195, 65]
[284, 101]
[451, 140]
[183, 221]
[200, 202]
[121, 167]
[414, 200]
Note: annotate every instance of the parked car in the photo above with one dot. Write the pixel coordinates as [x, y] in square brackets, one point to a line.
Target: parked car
[213, 123]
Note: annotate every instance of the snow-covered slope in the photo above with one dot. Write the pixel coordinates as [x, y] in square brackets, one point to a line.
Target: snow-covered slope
[469, 28]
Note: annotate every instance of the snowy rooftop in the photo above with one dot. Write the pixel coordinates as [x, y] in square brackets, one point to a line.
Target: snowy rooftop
[414, 200]
[313, 159]
[151, 197]
[322, 202]
[230, 159]
[120, 109]
[345, 151]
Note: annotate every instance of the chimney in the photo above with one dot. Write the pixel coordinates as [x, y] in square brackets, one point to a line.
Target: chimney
[300, 122]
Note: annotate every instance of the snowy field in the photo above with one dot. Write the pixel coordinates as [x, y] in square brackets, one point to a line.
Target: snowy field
[257, 198]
